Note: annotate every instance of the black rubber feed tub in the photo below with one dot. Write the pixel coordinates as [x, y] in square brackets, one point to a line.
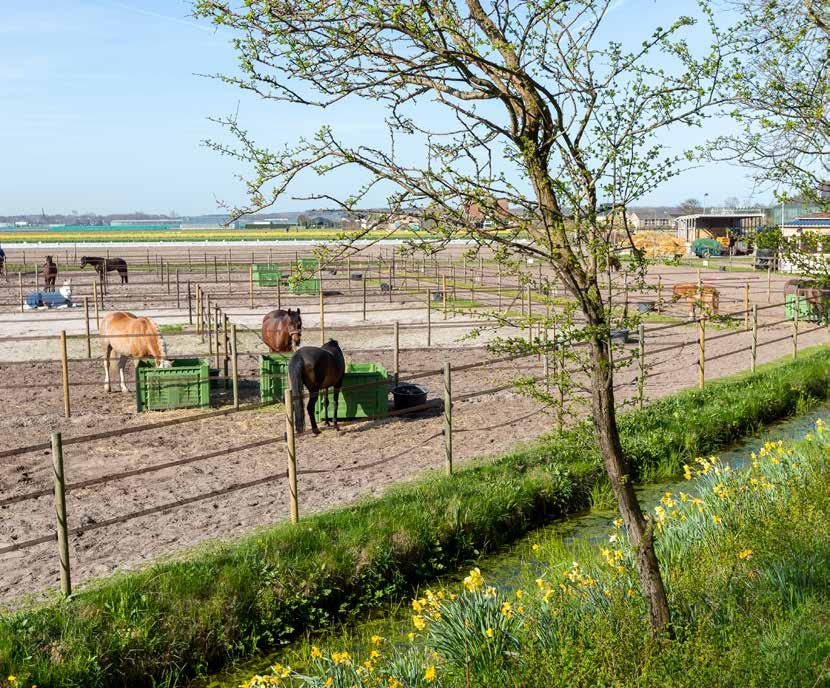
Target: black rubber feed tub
[408, 395]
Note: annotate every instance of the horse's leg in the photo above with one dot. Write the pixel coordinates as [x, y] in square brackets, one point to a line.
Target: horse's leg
[326, 419]
[107, 351]
[122, 363]
[313, 393]
[337, 388]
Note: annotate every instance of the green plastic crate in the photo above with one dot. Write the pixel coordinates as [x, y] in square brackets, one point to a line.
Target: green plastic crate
[806, 310]
[358, 397]
[184, 385]
[273, 377]
[306, 286]
[266, 275]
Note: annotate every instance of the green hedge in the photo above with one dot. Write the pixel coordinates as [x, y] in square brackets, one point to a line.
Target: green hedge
[176, 619]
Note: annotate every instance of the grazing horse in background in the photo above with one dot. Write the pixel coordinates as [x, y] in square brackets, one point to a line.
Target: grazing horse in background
[104, 265]
[50, 274]
[696, 296]
[282, 331]
[318, 368]
[130, 337]
[818, 298]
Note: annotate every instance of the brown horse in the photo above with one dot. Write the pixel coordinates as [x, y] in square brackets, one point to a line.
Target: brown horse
[130, 337]
[50, 274]
[697, 296]
[282, 331]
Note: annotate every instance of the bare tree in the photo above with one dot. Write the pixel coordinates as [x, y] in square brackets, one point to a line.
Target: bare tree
[691, 205]
[536, 115]
[781, 89]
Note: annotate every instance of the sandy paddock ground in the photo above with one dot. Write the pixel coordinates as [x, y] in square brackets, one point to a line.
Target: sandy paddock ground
[496, 422]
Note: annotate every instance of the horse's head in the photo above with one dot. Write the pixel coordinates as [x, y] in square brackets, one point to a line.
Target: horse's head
[295, 328]
[84, 262]
[48, 260]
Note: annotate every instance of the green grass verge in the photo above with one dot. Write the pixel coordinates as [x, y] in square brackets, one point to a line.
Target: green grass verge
[180, 618]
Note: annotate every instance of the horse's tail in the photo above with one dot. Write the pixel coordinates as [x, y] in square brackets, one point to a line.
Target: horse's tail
[295, 378]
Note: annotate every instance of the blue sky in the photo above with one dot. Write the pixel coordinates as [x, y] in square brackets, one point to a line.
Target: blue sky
[101, 109]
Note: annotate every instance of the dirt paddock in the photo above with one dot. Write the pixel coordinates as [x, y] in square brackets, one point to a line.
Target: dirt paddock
[31, 408]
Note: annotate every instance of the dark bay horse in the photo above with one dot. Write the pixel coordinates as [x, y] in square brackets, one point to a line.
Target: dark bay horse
[318, 368]
[50, 274]
[105, 265]
[282, 331]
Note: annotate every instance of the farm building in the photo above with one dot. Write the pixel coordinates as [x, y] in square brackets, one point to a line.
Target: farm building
[816, 224]
[717, 225]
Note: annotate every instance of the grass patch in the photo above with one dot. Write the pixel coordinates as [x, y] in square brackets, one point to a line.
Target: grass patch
[181, 618]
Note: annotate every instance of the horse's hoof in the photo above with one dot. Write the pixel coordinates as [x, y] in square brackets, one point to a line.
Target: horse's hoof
[316, 431]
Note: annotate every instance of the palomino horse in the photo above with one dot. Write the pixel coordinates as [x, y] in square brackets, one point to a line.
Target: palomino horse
[317, 368]
[697, 296]
[130, 337]
[282, 331]
[104, 265]
[50, 274]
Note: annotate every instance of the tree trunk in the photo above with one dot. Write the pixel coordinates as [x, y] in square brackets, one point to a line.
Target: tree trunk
[639, 530]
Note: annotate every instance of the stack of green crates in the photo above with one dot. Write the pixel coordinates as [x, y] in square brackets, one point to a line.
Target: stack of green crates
[359, 398]
[184, 385]
[273, 377]
[266, 275]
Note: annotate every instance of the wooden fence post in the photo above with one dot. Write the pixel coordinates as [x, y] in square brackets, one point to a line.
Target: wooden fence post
[189, 305]
[754, 336]
[86, 322]
[61, 524]
[178, 291]
[396, 349]
[429, 318]
[217, 327]
[199, 312]
[235, 367]
[448, 417]
[641, 379]
[499, 286]
[364, 293]
[292, 456]
[701, 342]
[769, 283]
[322, 316]
[279, 288]
[251, 285]
[444, 292]
[209, 323]
[67, 411]
[746, 306]
[95, 301]
[215, 271]
[226, 341]
[795, 328]
[168, 278]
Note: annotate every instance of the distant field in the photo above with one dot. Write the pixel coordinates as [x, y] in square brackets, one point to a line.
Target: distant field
[144, 234]
[118, 234]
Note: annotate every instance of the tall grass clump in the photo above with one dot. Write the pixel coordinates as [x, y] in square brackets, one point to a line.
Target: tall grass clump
[748, 557]
[182, 618]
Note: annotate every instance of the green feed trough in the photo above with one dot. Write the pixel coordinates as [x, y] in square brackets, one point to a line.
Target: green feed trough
[365, 393]
[273, 377]
[184, 385]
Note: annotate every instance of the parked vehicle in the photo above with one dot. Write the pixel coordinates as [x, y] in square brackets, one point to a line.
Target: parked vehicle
[764, 259]
[706, 248]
